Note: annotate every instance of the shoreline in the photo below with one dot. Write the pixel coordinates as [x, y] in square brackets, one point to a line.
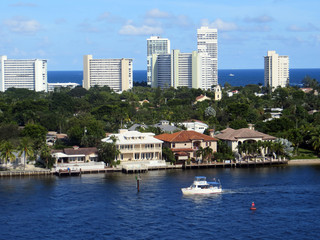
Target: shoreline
[304, 162]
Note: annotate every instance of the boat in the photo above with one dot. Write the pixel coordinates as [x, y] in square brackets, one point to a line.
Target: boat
[231, 75]
[201, 186]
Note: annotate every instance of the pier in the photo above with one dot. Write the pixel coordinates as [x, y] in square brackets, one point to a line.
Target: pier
[24, 173]
[236, 164]
[144, 168]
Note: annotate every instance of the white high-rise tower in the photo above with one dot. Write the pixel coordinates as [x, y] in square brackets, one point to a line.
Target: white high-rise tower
[17, 73]
[155, 45]
[208, 48]
[276, 70]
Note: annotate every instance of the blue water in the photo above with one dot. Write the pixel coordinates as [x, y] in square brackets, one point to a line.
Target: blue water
[107, 206]
[241, 77]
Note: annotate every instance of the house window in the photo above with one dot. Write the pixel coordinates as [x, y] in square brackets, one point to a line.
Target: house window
[136, 156]
[173, 145]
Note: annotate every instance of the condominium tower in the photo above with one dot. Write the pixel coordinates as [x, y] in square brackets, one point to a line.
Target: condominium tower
[207, 39]
[276, 70]
[29, 74]
[176, 70]
[115, 73]
[155, 45]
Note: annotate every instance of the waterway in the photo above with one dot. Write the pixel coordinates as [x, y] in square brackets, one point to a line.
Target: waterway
[108, 206]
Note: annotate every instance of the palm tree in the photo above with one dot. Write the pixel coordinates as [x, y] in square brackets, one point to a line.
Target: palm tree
[6, 149]
[200, 152]
[25, 148]
[315, 139]
[207, 153]
[45, 155]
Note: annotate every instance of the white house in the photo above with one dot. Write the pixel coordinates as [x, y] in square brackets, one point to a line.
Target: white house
[195, 125]
[136, 147]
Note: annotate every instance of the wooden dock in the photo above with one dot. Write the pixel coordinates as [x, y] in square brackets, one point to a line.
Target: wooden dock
[24, 173]
[236, 164]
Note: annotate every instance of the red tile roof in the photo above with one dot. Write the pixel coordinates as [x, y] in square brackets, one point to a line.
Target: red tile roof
[184, 136]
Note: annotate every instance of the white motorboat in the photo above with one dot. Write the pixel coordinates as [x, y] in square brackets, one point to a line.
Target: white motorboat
[201, 186]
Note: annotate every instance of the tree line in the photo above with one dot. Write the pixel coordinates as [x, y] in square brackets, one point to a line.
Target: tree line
[86, 115]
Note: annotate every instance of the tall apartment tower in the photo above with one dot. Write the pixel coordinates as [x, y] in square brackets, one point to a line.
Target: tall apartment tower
[207, 39]
[29, 74]
[115, 73]
[155, 45]
[276, 70]
[176, 70]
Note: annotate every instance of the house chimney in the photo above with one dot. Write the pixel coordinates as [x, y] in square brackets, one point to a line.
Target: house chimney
[123, 131]
[211, 132]
[251, 126]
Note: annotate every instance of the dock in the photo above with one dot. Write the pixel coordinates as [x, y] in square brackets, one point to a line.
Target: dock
[144, 168]
[24, 173]
[237, 164]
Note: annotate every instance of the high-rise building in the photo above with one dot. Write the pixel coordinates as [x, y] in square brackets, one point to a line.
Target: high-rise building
[29, 74]
[176, 70]
[208, 47]
[155, 45]
[115, 73]
[276, 70]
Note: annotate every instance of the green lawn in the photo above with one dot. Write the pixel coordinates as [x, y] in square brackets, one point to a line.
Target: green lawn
[306, 154]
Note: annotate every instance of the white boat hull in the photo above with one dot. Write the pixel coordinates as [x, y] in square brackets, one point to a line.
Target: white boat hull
[193, 191]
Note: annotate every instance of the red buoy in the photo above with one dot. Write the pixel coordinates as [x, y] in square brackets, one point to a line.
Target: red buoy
[253, 207]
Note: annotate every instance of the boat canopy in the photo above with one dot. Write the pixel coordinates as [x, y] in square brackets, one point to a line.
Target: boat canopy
[200, 178]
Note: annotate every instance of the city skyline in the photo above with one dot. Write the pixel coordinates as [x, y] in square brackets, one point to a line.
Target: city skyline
[63, 31]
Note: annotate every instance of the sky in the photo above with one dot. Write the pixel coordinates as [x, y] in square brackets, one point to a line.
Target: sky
[63, 31]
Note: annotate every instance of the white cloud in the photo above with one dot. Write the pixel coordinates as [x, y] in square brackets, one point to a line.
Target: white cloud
[130, 29]
[21, 25]
[308, 28]
[156, 13]
[220, 25]
[259, 19]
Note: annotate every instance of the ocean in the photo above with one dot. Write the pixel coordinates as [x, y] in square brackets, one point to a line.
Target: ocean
[108, 206]
[235, 77]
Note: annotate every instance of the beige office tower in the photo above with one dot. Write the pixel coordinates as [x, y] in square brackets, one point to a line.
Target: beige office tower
[29, 74]
[276, 70]
[207, 39]
[115, 73]
[155, 45]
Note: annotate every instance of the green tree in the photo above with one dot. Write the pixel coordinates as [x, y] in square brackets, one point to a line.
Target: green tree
[108, 152]
[25, 149]
[6, 152]
[45, 156]
[168, 155]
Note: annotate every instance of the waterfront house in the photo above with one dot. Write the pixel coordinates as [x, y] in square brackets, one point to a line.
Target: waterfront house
[137, 148]
[236, 137]
[185, 144]
[75, 157]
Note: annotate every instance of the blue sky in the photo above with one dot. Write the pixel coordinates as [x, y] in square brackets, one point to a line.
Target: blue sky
[62, 31]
